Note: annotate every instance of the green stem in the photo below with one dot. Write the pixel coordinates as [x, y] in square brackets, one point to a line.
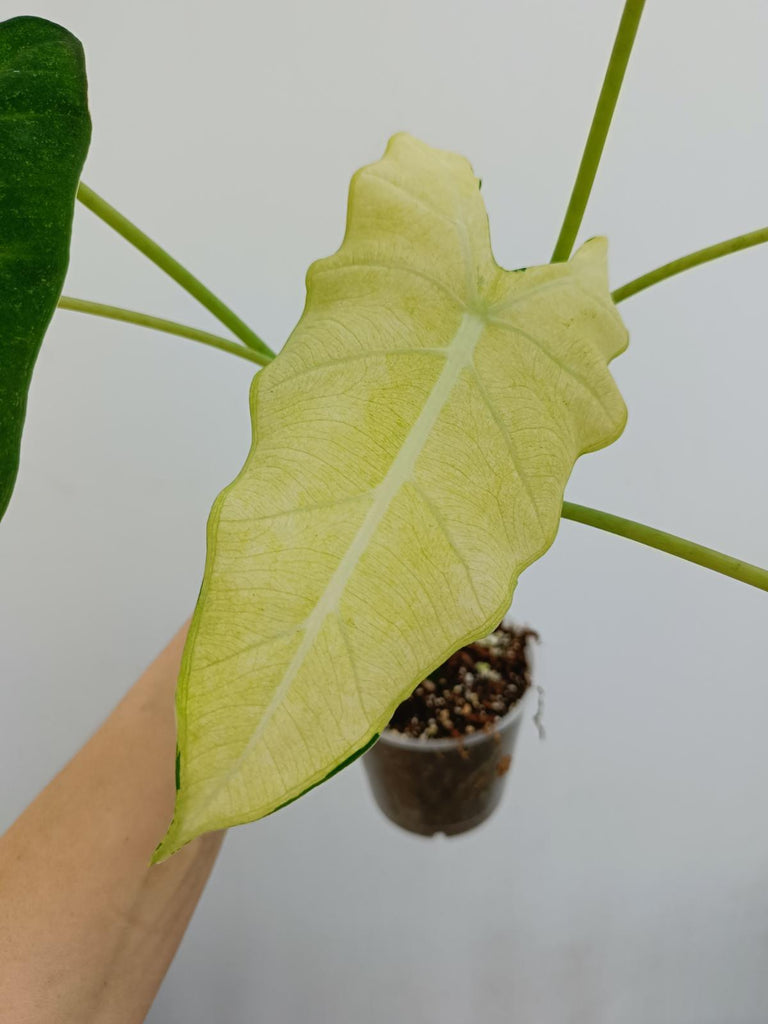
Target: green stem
[686, 549]
[707, 557]
[694, 259]
[171, 267]
[601, 122]
[129, 316]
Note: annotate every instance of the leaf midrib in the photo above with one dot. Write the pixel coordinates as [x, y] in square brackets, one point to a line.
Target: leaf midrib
[459, 355]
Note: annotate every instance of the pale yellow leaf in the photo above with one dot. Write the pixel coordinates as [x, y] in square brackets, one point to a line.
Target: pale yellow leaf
[411, 447]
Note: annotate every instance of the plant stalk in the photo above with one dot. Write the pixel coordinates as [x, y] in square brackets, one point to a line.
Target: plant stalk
[678, 546]
[168, 326]
[172, 267]
[687, 549]
[598, 132]
[693, 259]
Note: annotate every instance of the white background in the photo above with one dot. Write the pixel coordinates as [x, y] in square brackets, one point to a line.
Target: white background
[625, 878]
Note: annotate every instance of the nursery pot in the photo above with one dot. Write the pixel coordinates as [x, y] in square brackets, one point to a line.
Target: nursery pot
[430, 786]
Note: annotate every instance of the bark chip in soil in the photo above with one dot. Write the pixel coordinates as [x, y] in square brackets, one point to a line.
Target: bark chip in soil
[472, 690]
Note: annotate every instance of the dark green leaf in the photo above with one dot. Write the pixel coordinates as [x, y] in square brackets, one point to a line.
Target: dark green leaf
[44, 136]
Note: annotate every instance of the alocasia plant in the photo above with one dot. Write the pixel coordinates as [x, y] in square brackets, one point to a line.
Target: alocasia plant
[411, 447]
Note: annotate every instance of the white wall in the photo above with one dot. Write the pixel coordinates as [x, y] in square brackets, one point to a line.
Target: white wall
[624, 879]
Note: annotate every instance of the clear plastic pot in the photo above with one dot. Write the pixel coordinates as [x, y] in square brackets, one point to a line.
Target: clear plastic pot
[444, 785]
